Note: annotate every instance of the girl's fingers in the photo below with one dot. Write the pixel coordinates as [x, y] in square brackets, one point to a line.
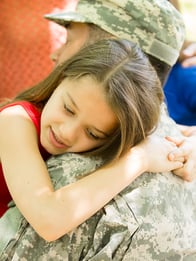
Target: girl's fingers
[177, 140]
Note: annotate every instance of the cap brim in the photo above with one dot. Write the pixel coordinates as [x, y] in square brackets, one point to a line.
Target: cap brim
[67, 17]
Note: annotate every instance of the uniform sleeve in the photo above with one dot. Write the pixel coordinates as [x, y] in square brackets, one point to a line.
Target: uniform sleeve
[153, 219]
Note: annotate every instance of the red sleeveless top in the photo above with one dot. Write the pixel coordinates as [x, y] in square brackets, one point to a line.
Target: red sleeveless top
[35, 116]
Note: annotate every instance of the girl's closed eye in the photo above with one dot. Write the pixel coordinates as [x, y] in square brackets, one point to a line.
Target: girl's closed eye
[94, 136]
[69, 110]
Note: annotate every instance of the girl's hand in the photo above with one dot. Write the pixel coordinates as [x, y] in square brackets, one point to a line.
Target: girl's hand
[154, 153]
[187, 130]
[188, 147]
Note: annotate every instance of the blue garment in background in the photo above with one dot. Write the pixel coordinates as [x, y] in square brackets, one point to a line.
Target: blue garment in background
[180, 92]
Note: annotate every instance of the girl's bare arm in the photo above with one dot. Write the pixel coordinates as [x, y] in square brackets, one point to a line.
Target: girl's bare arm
[54, 213]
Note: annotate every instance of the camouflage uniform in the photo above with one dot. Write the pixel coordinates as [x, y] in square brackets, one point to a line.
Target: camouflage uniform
[154, 218]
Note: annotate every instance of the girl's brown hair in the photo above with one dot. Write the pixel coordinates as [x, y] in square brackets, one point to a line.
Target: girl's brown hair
[129, 82]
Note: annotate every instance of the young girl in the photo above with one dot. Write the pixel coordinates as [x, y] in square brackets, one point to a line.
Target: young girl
[103, 101]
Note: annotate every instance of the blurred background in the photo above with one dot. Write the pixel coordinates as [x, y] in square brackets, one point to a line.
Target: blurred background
[188, 9]
[27, 39]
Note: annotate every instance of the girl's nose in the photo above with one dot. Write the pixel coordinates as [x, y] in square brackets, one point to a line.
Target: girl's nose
[69, 133]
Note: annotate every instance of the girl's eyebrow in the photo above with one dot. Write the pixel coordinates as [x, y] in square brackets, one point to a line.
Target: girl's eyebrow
[75, 105]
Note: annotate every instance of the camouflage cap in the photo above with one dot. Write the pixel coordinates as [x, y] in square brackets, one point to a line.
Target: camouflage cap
[155, 25]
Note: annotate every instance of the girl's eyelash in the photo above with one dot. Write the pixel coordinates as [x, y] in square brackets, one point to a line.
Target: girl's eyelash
[93, 136]
[68, 110]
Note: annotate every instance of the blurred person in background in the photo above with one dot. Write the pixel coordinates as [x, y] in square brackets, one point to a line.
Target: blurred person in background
[180, 88]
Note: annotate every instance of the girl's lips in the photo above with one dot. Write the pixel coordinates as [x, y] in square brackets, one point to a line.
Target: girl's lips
[55, 141]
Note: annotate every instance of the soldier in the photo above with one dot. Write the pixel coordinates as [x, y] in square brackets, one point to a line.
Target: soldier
[154, 218]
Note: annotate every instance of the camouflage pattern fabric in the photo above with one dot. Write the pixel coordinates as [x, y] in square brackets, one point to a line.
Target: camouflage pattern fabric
[155, 25]
[153, 219]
